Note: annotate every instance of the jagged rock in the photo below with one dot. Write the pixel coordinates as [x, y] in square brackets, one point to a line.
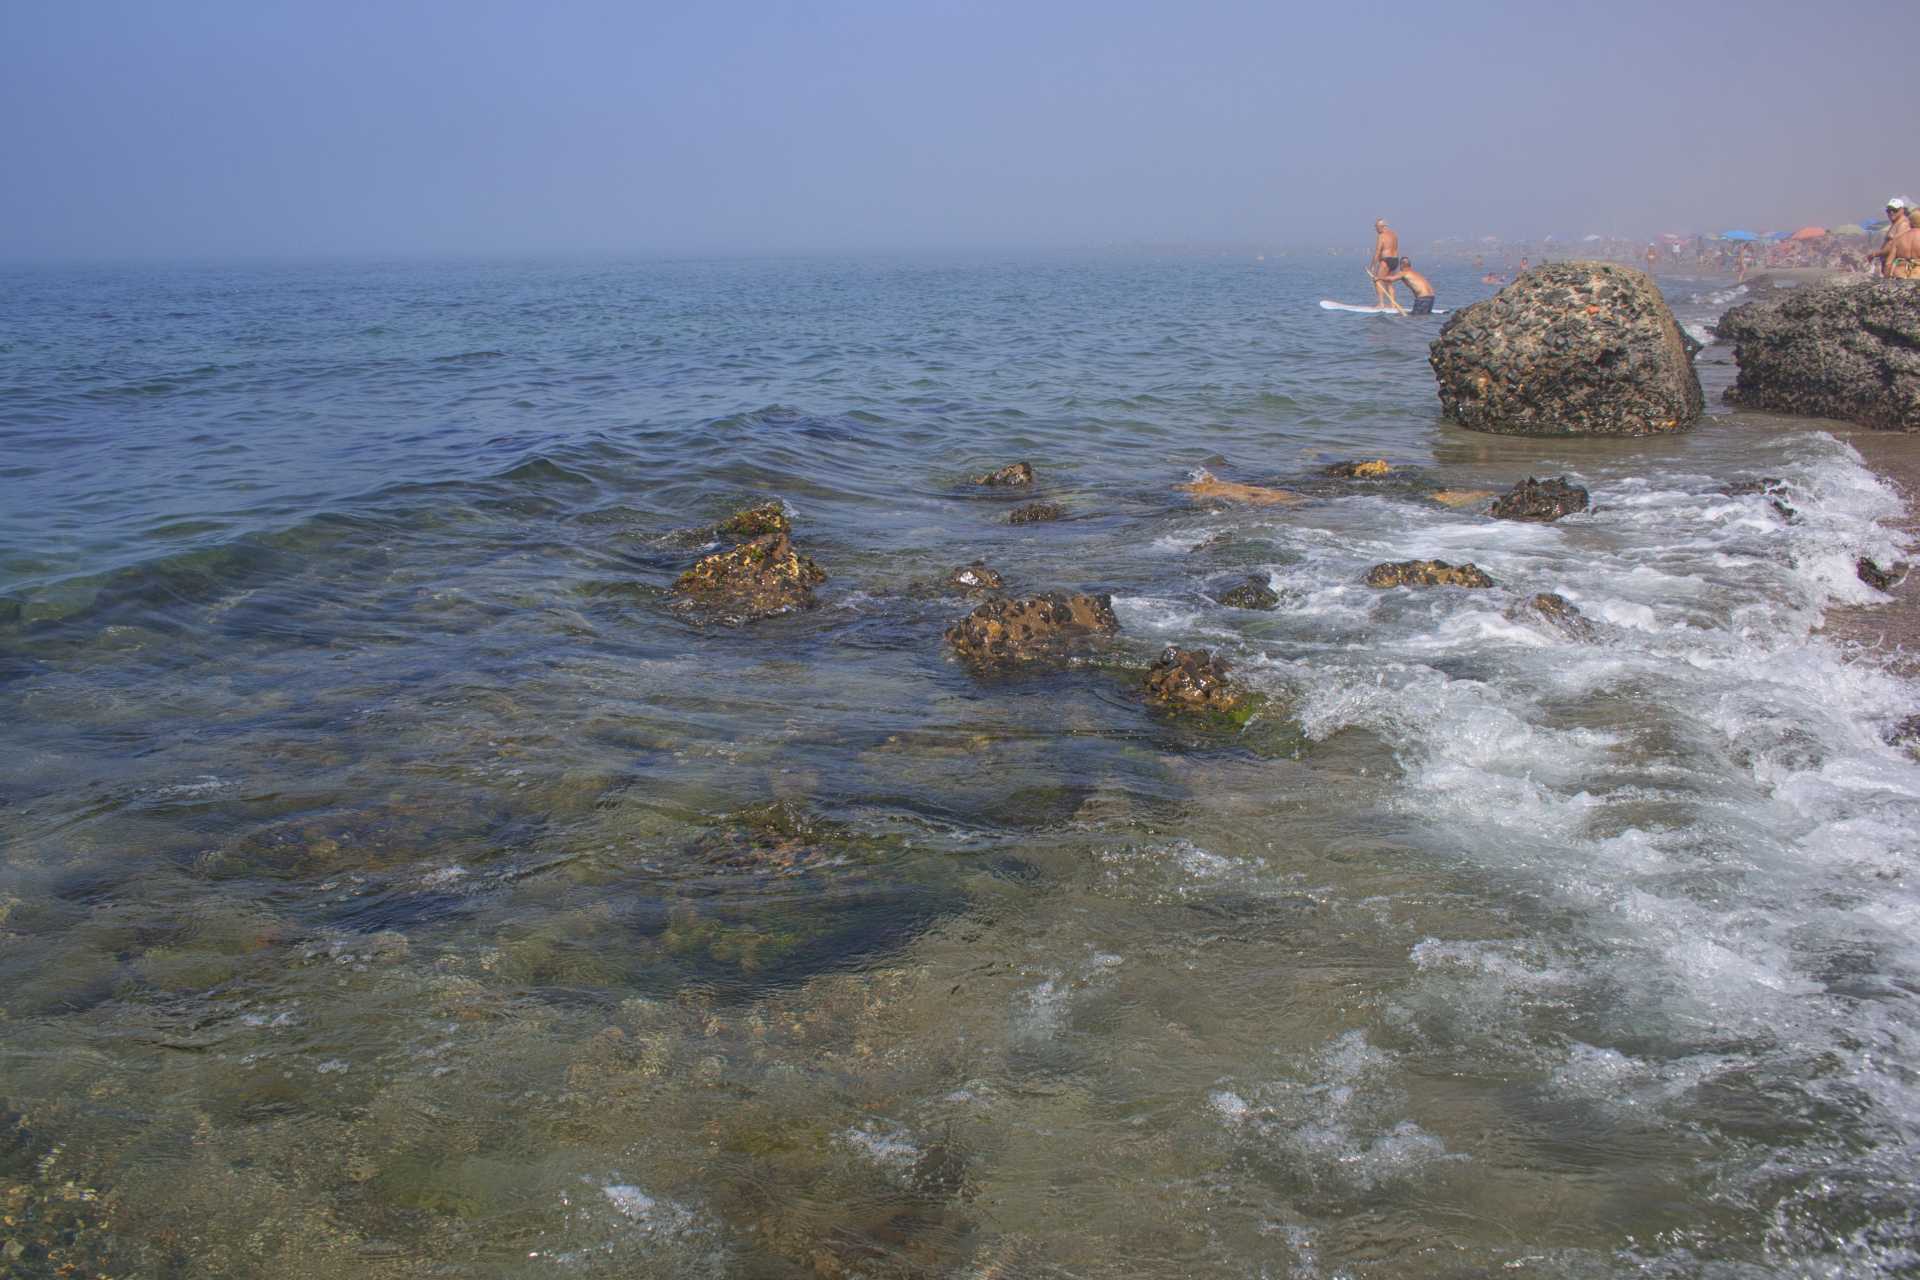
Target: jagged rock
[1426, 573]
[1770, 485]
[1192, 679]
[1010, 632]
[1542, 500]
[1569, 348]
[1876, 577]
[1014, 473]
[1847, 351]
[1037, 513]
[1556, 611]
[1254, 593]
[1460, 497]
[974, 577]
[755, 579]
[1204, 485]
[1906, 734]
[755, 522]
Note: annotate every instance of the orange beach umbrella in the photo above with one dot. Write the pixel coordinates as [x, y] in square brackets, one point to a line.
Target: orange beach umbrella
[1809, 233]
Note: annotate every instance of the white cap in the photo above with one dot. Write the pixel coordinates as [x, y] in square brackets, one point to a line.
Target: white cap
[1899, 202]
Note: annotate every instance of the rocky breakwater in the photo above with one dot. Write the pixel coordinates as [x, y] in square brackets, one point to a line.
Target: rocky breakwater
[1845, 351]
[760, 577]
[1012, 633]
[1569, 349]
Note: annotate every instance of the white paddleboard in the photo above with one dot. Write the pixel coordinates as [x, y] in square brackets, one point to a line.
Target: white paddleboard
[1368, 311]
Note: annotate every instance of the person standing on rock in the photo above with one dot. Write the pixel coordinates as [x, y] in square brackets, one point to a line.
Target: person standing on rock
[1422, 289]
[1386, 260]
[1899, 213]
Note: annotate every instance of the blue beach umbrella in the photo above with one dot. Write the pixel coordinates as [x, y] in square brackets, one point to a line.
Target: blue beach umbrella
[1738, 235]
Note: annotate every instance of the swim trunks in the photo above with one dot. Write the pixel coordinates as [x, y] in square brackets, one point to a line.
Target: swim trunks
[1391, 264]
[1422, 306]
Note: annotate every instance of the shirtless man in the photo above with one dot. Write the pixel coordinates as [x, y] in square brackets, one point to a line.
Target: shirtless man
[1422, 289]
[1386, 260]
[1898, 215]
[1903, 253]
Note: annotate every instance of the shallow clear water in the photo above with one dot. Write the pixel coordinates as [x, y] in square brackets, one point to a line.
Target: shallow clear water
[394, 884]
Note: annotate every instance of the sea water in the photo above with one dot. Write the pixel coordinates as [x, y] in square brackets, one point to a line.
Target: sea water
[394, 883]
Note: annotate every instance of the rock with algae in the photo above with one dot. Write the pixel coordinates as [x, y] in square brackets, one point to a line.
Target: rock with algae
[1427, 573]
[1555, 611]
[1371, 469]
[1014, 473]
[1254, 593]
[1009, 633]
[1193, 680]
[755, 522]
[1540, 500]
[756, 579]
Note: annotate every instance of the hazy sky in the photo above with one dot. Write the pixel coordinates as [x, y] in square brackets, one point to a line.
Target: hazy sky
[195, 128]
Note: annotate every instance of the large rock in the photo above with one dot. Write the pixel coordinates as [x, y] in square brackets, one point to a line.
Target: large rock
[1569, 349]
[755, 579]
[1541, 500]
[1192, 680]
[1427, 573]
[1011, 632]
[1847, 351]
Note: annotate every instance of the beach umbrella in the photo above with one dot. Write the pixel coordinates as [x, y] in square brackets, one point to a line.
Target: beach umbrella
[1848, 229]
[1808, 233]
[1738, 235]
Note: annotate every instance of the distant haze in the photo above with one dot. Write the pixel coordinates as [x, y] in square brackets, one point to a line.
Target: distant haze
[252, 128]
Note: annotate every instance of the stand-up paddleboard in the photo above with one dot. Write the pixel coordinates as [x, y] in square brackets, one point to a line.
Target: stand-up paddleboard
[1368, 311]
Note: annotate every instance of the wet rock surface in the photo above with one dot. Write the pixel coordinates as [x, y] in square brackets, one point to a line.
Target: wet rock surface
[1369, 470]
[1880, 579]
[974, 577]
[1555, 611]
[1192, 680]
[1426, 573]
[755, 522]
[1847, 351]
[1569, 348]
[1541, 500]
[1003, 633]
[1771, 486]
[1205, 485]
[1458, 498]
[754, 580]
[1014, 473]
[1037, 513]
[1254, 593]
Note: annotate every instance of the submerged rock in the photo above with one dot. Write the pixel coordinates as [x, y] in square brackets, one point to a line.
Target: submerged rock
[753, 580]
[1192, 680]
[1372, 470]
[1906, 734]
[1204, 485]
[1460, 497]
[1426, 573]
[1037, 513]
[1554, 610]
[1847, 351]
[1876, 577]
[974, 577]
[1014, 473]
[1011, 632]
[755, 522]
[1254, 593]
[1542, 500]
[1569, 348]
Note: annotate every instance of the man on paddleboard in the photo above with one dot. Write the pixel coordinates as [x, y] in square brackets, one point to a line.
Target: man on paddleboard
[1422, 289]
[1386, 260]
